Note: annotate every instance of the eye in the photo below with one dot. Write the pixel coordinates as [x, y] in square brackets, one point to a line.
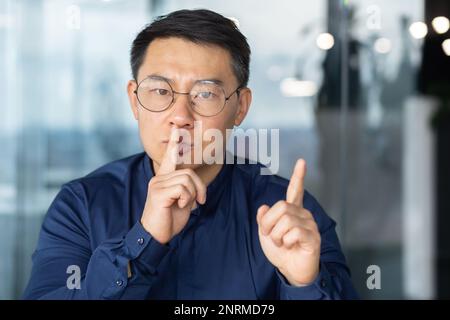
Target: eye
[205, 95]
[161, 92]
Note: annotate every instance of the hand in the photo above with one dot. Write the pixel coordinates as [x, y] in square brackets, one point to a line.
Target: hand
[289, 236]
[171, 195]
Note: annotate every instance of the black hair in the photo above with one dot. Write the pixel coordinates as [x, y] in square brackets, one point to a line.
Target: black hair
[199, 26]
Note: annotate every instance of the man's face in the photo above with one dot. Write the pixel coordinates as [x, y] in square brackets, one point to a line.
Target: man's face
[184, 63]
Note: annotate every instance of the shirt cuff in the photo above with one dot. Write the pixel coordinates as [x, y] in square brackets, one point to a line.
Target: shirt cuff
[143, 247]
[320, 288]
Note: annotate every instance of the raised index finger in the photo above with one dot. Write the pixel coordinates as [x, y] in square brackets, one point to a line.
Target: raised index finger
[295, 190]
[169, 161]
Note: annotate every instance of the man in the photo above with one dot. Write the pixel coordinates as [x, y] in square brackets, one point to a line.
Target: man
[150, 227]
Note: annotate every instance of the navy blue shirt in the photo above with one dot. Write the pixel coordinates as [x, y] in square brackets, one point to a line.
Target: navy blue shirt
[93, 226]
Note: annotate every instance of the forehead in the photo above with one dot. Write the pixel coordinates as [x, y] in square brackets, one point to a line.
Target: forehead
[183, 60]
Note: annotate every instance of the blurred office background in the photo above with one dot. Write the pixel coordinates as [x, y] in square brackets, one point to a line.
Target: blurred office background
[359, 88]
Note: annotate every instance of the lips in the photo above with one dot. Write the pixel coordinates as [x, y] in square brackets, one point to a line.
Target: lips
[180, 143]
[182, 147]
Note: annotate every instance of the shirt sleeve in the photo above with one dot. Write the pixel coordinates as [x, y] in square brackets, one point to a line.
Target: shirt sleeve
[65, 266]
[322, 288]
[333, 281]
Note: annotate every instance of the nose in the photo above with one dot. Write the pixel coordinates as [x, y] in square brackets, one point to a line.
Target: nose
[181, 114]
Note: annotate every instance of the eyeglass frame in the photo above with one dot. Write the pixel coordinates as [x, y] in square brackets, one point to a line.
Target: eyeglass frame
[184, 93]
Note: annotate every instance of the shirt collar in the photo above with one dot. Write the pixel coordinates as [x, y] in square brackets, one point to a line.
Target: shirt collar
[214, 189]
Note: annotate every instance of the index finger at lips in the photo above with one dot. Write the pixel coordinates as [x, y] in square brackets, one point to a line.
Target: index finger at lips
[169, 161]
[295, 189]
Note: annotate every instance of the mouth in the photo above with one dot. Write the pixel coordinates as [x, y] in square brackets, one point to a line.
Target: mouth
[182, 147]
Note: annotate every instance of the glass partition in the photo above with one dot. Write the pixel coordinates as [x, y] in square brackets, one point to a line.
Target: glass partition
[337, 78]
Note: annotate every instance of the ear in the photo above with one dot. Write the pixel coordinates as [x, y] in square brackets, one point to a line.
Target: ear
[131, 87]
[245, 99]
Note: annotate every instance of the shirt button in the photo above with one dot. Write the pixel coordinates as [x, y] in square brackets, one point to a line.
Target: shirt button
[140, 241]
[323, 283]
[119, 282]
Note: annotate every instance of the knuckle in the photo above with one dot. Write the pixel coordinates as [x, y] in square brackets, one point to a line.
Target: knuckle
[275, 231]
[297, 231]
[152, 181]
[186, 179]
[307, 214]
[179, 188]
[265, 221]
[153, 187]
[282, 205]
[278, 203]
[285, 219]
[290, 219]
[188, 171]
[310, 223]
[264, 225]
[275, 236]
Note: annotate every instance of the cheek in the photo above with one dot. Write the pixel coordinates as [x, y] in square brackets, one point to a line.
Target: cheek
[230, 114]
[226, 119]
[147, 122]
[150, 132]
[221, 124]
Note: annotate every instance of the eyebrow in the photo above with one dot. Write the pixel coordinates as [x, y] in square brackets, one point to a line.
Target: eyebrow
[210, 80]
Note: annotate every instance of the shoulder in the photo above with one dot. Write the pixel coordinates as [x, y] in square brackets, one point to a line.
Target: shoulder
[113, 175]
[116, 170]
[78, 199]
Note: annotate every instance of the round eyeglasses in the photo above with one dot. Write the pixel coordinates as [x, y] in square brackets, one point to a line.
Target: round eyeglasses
[207, 98]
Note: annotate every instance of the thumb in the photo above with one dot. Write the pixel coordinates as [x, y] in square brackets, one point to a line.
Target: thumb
[261, 212]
